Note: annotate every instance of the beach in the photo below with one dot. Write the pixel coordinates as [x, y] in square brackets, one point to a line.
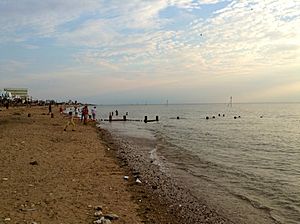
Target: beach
[51, 176]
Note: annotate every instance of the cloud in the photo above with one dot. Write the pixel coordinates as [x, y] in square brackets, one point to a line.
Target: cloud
[250, 35]
[241, 38]
[129, 41]
[22, 19]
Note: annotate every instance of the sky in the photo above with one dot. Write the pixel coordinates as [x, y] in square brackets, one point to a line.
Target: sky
[137, 51]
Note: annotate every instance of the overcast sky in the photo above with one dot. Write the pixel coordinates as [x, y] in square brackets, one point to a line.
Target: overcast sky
[136, 51]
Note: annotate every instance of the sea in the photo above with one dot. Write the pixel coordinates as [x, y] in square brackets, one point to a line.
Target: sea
[242, 159]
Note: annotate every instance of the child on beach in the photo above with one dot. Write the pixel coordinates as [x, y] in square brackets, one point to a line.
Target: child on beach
[70, 121]
[76, 111]
[85, 113]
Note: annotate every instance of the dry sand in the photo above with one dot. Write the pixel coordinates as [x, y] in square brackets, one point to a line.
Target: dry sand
[51, 176]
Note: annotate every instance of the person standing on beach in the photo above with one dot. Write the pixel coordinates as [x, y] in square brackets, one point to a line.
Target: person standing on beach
[82, 115]
[7, 104]
[94, 113]
[50, 109]
[70, 121]
[85, 113]
[76, 111]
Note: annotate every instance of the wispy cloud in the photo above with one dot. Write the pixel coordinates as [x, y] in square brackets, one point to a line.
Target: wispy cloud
[24, 19]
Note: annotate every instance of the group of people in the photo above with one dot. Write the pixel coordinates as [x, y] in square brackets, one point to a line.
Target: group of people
[84, 116]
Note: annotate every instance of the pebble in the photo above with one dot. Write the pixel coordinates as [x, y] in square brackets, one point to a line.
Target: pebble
[98, 213]
[7, 219]
[106, 221]
[5, 179]
[34, 163]
[102, 221]
[126, 177]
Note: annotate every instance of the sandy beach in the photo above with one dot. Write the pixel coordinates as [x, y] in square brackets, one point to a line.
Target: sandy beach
[51, 176]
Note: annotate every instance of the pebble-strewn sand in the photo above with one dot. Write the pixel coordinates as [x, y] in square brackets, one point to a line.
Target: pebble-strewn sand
[175, 198]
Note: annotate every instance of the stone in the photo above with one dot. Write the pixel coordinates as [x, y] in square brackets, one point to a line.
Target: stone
[34, 163]
[7, 219]
[102, 221]
[126, 177]
[98, 214]
[5, 179]
[106, 221]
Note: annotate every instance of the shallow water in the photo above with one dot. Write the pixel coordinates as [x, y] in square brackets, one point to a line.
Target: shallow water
[250, 165]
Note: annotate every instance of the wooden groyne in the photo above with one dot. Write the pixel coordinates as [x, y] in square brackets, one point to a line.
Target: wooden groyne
[146, 120]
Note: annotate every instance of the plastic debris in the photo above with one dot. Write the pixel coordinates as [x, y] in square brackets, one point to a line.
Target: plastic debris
[138, 181]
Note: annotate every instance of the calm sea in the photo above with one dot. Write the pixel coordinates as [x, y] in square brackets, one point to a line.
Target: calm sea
[248, 168]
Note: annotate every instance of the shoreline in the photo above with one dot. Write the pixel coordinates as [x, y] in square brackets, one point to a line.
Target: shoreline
[176, 199]
[204, 205]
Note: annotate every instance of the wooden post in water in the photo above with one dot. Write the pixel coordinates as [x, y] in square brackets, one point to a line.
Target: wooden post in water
[110, 118]
[145, 120]
[156, 118]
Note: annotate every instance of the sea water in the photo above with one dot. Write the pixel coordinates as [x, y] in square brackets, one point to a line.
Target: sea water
[247, 168]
